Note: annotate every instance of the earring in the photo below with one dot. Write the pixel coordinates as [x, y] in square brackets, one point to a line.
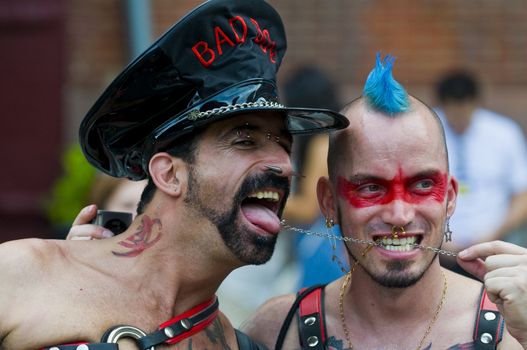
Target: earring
[448, 232]
[335, 257]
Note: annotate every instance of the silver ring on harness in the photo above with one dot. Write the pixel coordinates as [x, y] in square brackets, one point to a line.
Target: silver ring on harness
[120, 332]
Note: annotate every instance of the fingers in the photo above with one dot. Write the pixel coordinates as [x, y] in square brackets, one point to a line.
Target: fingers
[83, 230]
[86, 215]
[489, 256]
[494, 262]
[88, 231]
[483, 250]
[504, 290]
[503, 267]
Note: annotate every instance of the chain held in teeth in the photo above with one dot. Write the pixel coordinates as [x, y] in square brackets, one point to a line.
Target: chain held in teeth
[360, 241]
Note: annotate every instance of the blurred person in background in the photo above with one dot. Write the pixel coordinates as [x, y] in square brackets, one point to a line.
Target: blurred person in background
[116, 194]
[318, 260]
[488, 157]
[80, 184]
[108, 193]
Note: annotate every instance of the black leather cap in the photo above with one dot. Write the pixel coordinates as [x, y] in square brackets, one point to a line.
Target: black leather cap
[220, 60]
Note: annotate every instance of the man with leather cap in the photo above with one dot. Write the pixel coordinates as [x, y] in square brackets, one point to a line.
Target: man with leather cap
[198, 115]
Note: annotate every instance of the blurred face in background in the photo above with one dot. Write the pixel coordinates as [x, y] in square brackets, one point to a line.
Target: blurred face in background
[125, 196]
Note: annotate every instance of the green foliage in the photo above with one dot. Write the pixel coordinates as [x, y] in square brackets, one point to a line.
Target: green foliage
[70, 192]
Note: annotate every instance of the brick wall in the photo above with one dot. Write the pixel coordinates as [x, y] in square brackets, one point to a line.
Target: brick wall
[428, 38]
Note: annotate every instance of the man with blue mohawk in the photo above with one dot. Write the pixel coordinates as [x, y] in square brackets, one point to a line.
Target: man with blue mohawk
[390, 191]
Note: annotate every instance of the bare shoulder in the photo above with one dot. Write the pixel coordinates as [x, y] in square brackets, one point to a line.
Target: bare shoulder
[21, 265]
[463, 296]
[466, 287]
[264, 325]
[24, 256]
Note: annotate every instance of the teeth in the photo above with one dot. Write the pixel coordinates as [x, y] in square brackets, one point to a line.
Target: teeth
[402, 244]
[270, 195]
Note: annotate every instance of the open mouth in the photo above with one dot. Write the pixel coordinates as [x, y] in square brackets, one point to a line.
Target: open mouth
[262, 208]
[400, 244]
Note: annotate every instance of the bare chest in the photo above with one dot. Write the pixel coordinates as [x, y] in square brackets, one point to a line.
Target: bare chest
[85, 316]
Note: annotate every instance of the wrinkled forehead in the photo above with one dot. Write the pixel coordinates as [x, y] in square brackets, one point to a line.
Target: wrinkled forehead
[377, 140]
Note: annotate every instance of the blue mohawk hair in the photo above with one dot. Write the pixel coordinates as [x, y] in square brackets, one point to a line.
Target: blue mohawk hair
[382, 91]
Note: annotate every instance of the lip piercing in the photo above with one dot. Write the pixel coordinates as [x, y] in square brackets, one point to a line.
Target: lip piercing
[396, 230]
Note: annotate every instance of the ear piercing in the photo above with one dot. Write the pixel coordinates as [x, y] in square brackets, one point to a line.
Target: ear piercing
[448, 232]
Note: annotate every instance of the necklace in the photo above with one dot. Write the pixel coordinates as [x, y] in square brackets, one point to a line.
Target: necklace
[346, 282]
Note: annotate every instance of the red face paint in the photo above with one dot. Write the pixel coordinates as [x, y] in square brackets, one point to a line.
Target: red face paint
[366, 191]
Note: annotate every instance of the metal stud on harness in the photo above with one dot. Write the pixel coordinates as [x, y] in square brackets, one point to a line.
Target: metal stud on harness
[169, 332]
[120, 332]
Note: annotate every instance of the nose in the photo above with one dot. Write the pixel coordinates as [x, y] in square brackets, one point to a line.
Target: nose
[398, 213]
[279, 164]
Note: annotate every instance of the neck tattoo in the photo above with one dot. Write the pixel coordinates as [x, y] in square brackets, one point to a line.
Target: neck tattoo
[346, 282]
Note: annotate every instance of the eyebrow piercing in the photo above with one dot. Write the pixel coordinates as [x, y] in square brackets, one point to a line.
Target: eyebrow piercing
[270, 136]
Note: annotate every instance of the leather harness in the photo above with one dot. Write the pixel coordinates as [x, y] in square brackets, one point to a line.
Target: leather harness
[488, 331]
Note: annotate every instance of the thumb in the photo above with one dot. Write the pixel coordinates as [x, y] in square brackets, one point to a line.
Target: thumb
[86, 215]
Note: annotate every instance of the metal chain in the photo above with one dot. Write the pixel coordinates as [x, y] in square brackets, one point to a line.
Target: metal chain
[360, 241]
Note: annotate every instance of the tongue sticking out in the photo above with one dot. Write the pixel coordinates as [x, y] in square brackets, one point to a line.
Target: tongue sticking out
[262, 217]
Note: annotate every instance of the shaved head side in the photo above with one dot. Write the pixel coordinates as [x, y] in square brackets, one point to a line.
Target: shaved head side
[340, 141]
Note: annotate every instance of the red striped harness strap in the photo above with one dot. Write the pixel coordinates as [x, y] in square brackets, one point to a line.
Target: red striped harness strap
[488, 331]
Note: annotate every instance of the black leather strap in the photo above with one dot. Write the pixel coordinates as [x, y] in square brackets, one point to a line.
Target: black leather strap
[162, 335]
[311, 328]
[489, 325]
[92, 346]
[291, 314]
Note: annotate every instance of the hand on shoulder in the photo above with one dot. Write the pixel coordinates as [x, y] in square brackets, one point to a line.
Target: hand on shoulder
[502, 267]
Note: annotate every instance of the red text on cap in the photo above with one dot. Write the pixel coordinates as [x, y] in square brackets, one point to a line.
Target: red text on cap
[238, 33]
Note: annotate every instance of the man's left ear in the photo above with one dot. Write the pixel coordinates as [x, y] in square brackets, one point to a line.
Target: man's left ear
[451, 195]
[168, 173]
